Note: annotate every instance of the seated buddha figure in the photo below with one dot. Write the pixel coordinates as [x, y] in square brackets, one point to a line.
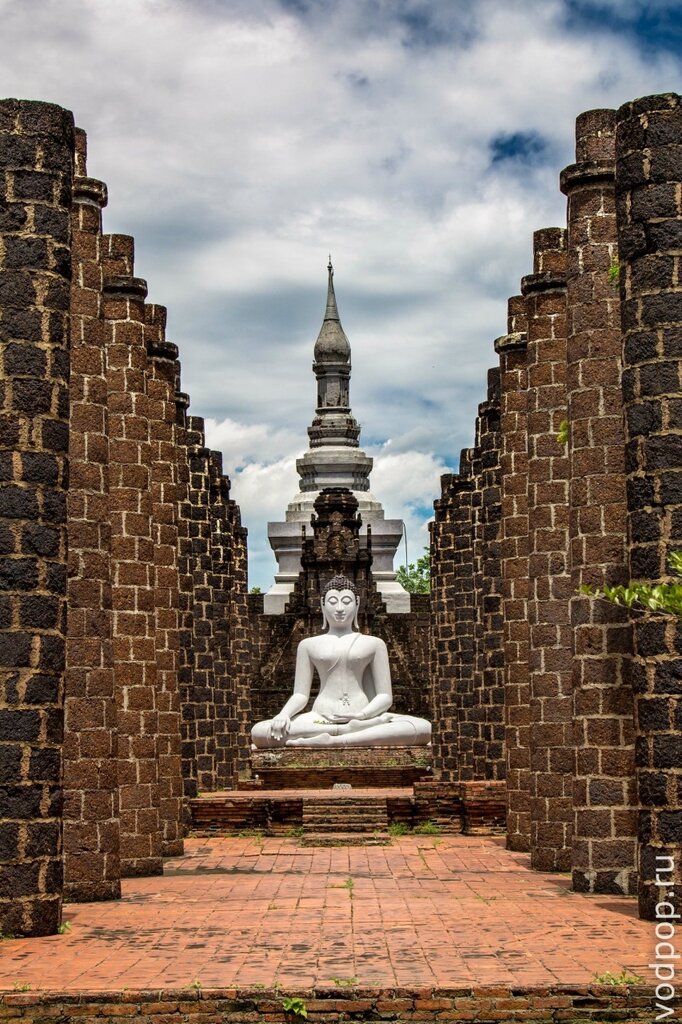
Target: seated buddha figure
[352, 708]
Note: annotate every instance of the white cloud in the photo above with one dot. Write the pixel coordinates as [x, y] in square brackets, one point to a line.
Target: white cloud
[243, 140]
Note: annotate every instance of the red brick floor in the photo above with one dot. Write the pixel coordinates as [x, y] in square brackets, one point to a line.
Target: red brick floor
[425, 911]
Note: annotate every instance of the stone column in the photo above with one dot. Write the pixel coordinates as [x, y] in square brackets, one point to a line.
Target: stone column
[604, 792]
[185, 604]
[454, 623]
[132, 552]
[35, 264]
[442, 549]
[91, 829]
[241, 644]
[512, 350]
[202, 696]
[486, 712]
[649, 212]
[162, 361]
[551, 641]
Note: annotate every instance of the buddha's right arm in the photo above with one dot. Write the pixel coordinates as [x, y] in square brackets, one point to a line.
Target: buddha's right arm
[302, 682]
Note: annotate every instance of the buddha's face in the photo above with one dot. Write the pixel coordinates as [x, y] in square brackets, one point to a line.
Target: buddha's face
[339, 607]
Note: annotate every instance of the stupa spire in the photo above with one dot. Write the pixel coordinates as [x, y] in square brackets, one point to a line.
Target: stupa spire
[332, 344]
[334, 459]
[331, 312]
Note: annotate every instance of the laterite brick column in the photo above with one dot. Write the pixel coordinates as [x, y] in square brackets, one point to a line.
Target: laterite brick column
[224, 671]
[551, 641]
[162, 362]
[36, 154]
[202, 698]
[133, 573]
[649, 211]
[242, 646]
[485, 714]
[604, 843]
[91, 829]
[442, 550]
[512, 350]
[185, 603]
[454, 623]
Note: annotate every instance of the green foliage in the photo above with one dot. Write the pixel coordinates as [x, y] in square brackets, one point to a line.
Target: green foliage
[562, 436]
[255, 590]
[345, 982]
[295, 1006]
[624, 978]
[196, 984]
[349, 884]
[21, 988]
[665, 598]
[398, 828]
[614, 274]
[416, 579]
[64, 927]
[427, 828]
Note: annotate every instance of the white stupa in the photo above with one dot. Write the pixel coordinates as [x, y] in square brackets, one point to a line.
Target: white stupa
[334, 459]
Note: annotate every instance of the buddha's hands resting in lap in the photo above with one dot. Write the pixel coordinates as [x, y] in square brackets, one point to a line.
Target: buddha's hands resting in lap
[280, 726]
[349, 719]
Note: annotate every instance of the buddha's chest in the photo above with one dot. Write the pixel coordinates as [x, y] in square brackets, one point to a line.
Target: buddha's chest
[342, 655]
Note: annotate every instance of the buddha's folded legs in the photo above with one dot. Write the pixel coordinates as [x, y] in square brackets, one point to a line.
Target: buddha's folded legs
[311, 730]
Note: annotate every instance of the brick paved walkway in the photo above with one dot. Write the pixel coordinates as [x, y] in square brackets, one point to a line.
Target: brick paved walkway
[425, 911]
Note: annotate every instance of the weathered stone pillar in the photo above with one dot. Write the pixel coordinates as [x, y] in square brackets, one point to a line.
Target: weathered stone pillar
[132, 552]
[551, 642]
[512, 350]
[485, 713]
[454, 622]
[202, 696]
[242, 646]
[36, 156]
[91, 831]
[442, 549]
[162, 361]
[604, 793]
[649, 211]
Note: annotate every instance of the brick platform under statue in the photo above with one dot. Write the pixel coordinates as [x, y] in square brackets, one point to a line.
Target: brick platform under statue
[366, 767]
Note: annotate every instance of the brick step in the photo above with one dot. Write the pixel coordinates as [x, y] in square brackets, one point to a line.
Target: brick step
[345, 839]
[351, 812]
[351, 816]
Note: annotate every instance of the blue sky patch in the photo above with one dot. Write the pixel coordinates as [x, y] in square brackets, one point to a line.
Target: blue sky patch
[651, 26]
[520, 146]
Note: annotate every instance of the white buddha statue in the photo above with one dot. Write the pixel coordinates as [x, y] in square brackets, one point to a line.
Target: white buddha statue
[352, 707]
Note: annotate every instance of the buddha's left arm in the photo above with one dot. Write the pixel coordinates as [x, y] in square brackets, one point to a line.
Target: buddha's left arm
[381, 674]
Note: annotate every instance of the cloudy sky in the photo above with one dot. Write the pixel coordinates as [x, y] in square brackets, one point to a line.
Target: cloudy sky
[418, 141]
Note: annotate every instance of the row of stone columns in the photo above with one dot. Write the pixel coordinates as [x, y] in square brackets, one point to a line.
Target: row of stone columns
[123, 587]
[590, 465]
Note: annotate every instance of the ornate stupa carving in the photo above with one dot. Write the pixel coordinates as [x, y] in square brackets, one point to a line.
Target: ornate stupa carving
[334, 459]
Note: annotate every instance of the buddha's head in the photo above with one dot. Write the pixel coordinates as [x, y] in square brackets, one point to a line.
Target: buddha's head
[340, 603]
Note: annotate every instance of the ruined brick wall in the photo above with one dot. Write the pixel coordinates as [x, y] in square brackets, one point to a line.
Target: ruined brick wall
[467, 668]
[35, 260]
[213, 591]
[512, 350]
[550, 651]
[111, 586]
[603, 856]
[92, 866]
[649, 212]
[591, 691]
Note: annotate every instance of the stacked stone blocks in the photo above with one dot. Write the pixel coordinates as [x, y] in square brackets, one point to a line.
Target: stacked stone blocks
[102, 591]
[591, 690]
